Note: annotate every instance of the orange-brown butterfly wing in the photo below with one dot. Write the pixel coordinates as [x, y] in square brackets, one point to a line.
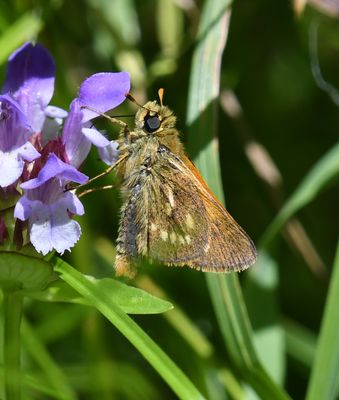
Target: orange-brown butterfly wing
[192, 227]
[229, 245]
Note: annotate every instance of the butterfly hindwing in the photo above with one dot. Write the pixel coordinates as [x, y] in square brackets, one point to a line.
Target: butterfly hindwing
[177, 221]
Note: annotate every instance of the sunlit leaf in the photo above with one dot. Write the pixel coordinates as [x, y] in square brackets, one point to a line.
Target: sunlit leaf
[24, 272]
[132, 300]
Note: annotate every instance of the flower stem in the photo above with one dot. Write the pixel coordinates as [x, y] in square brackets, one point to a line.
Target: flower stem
[12, 302]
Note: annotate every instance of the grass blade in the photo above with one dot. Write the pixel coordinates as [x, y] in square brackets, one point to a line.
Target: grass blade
[204, 90]
[169, 371]
[52, 372]
[326, 364]
[320, 175]
[224, 290]
[230, 309]
[260, 290]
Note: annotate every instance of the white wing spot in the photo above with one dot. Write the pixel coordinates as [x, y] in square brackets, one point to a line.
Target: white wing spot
[164, 235]
[173, 237]
[171, 198]
[188, 239]
[189, 221]
[181, 239]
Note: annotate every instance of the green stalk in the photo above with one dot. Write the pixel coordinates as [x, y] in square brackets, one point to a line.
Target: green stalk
[12, 303]
[324, 375]
[225, 291]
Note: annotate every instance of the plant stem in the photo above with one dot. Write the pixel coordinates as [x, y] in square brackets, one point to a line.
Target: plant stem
[12, 303]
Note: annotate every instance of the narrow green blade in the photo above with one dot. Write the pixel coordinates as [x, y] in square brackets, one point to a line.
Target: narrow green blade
[326, 169]
[325, 369]
[169, 371]
[224, 290]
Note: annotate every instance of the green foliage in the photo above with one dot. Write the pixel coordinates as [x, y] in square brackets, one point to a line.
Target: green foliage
[101, 300]
[264, 137]
[23, 272]
[324, 377]
[132, 300]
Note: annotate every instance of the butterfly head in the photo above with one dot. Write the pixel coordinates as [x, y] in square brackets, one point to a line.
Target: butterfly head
[154, 118]
[156, 122]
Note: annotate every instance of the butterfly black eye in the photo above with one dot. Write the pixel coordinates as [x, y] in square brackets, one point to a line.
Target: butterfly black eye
[151, 124]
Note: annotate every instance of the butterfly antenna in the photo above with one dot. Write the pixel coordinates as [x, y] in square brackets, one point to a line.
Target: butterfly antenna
[102, 114]
[132, 99]
[161, 95]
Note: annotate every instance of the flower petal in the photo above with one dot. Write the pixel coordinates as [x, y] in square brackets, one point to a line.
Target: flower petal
[51, 127]
[54, 167]
[11, 167]
[28, 152]
[74, 205]
[24, 207]
[51, 228]
[95, 137]
[103, 91]
[14, 126]
[30, 80]
[109, 154]
[55, 112]
[50, 130]
[77, 146]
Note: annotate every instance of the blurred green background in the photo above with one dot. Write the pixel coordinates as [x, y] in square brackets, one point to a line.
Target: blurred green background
[286, 125]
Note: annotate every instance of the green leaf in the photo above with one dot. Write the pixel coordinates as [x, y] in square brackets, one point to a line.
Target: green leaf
[23, 272]
[169, 371]
[224, 290]
[132, 300]
[204, 90]
[320, 175]
[325, 369]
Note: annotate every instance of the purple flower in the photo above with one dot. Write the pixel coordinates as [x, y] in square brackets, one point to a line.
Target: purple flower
[47, 206]
[35, 157]
[15, 148]
[27, 90]
[30, 81]
[100, 92]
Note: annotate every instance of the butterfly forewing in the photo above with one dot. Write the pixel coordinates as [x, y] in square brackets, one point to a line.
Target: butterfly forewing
[188, 226]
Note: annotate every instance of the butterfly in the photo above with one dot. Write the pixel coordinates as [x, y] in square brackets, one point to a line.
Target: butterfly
[169, 214]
